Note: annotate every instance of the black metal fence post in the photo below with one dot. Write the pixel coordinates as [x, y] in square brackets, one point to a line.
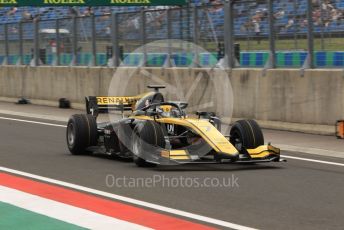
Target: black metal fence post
[58, 43]
[272, 38]
[7, 48]
[114, 41]
[169, 37]
[229, 33]
[94, 37]
[295, 6]
[21, 51]
[143, 37]
[196, 36]
[310, 36]
[36, 58]
[75, 41]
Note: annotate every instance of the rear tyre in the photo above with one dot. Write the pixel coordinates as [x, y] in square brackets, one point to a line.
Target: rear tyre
[147, 137]
[246, 134]
[81, 133]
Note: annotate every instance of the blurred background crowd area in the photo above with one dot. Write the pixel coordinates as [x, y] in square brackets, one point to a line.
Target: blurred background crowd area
[250, 15]
[251, 32]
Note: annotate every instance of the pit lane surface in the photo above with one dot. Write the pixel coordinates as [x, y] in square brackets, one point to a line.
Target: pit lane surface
[293, 195]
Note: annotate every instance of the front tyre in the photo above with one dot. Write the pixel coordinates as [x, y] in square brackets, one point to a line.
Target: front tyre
[148, 136]
[81, 133]
[246, 134]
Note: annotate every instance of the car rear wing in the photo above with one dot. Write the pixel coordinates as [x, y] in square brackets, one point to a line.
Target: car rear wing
[340, 129]
[96, 105]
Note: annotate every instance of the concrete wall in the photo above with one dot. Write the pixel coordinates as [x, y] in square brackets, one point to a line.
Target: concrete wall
[285, 95]
[279, 95]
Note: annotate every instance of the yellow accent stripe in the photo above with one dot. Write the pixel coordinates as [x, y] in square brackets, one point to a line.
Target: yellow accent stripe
[175, 154]
[262, 155]
[165, 153]
[180, 157]
[178, 153]
[262, 149]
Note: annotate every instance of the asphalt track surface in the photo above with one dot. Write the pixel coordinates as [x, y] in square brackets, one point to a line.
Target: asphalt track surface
[293, 195]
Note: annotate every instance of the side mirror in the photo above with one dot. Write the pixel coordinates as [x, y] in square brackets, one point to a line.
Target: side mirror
[156, 87]
[206, 115]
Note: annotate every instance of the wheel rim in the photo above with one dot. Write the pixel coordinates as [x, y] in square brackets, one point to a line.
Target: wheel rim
[136, 145]
[71, 134]
[237, 140]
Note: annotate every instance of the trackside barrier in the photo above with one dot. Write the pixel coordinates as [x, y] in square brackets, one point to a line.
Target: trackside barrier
[317, 96]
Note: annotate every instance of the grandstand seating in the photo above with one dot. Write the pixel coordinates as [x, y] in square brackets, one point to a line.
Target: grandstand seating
[243, 13]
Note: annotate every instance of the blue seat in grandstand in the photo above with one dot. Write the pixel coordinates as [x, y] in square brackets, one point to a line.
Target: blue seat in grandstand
[303, 56]
[66, 58]
[208, 59]
[11, 60]
[137, 59]
[85, 59]
[179, 60]
[27, 59]
[321, 59]
[182, 59]
[49, 59]
[101, 59]
[205, 59]
[156, 59]
[132, 59]
[338, 59]
[245, 59]
[260, 59]
[288, 59]
[78, 58]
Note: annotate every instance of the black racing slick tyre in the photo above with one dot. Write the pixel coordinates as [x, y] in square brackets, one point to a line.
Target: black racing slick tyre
[147, 137]
[81, 133]
[246, 134]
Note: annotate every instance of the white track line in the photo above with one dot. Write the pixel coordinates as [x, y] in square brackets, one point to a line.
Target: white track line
[131, 201]
[34, 115]
[63, 212]
[33, 122]
[314, 151]
[313, 160]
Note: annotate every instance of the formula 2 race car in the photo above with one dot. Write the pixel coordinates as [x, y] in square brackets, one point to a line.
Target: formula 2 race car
[158, 132]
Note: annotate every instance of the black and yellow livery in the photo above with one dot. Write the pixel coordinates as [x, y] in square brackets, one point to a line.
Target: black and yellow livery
[158, 132]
